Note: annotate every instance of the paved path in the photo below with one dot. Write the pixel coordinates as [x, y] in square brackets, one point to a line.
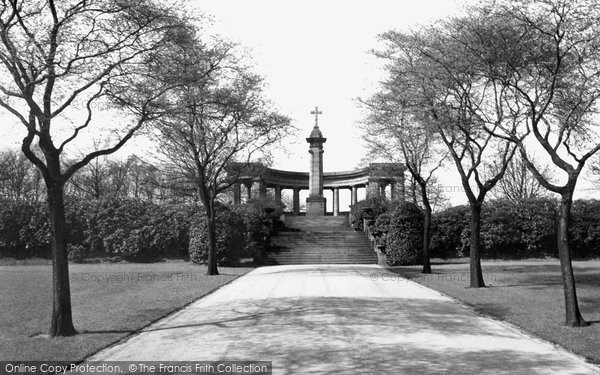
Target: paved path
[342, 319]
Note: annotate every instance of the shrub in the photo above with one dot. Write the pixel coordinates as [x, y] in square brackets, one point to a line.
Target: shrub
[121, 225]
[523, 230]
[447, 230]
[382, 224]
[230, 237]
[170, 234]
[508, 230]
[254, 232]
[136, 230]
[24, 229]
[267, 206]
[377, 206]
[405, 237]
[77, 253]
[585, 229]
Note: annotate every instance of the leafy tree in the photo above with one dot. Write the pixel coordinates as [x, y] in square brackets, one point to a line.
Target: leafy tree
[60, 63]
[390, 129]
[547, 53]
[431, 74]
[216, 118]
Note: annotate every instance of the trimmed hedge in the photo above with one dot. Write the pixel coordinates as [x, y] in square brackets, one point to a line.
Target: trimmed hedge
[24, 229]
[447, 229]
[523, 230]
[230, 237]
[140, 231]
[404, 240]
[508, 230]
[131, 229]
[585, 229]
[241, 233]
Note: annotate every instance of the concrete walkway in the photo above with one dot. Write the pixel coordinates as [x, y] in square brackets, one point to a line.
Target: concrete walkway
[342, 319]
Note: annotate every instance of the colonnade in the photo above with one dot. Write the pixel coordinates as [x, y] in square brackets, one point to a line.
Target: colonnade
[257, 187]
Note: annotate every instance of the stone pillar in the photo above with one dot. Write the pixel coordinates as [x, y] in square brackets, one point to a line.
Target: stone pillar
[248, 186]
[259, 188]
[336, 201]
[393, 195]
[278, 195]
[401, 192]
[296, 201]
[354, 195]
[373, 188]
[237, 194]
[315, 203]
[398, 189]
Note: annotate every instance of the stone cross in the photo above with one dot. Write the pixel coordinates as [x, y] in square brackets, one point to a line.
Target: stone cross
[316, 112]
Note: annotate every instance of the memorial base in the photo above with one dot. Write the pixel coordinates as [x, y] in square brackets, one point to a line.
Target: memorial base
[315, 206]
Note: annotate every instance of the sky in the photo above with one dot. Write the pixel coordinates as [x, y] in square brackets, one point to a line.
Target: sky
[316, 53]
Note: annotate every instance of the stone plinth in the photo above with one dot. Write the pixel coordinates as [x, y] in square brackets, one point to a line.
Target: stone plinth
[315, 203]
[315, 206]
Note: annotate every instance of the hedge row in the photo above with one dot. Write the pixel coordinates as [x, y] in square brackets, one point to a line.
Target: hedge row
[527, 230]
[130, 229]
[509, 230]
[242, 232]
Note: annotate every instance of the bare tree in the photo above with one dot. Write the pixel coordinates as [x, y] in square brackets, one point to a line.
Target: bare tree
[548, 54]
[60, 62]
[519, 184]
[218, 117]
[390, 129]
[432, 73]
[93, 179]
[19, 179]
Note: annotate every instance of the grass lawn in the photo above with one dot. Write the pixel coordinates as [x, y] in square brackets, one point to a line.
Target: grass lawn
[527, 294]
[110, 301]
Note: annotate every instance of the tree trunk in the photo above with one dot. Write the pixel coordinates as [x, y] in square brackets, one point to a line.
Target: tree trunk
[475, 247]
[426, 230]
[212, 241]
[62, 320]
[426, 242]
[573, 316]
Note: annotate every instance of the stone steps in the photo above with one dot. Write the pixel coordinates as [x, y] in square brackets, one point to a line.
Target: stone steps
[320, 240]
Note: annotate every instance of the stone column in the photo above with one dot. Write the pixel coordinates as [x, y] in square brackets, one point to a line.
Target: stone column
[237, 194]
[315, 203]
[278, 194]
[393, 195]
[398, 189]
[336, 201]
[373, 188]
[259, 188]
[248, 186]
[354, 195]
[402, 192]
[296, 201]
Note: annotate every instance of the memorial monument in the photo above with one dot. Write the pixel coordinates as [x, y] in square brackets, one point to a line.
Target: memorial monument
[260, 181]
[316, 202]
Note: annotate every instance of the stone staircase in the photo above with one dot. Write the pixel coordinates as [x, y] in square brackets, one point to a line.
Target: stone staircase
[320, 240]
